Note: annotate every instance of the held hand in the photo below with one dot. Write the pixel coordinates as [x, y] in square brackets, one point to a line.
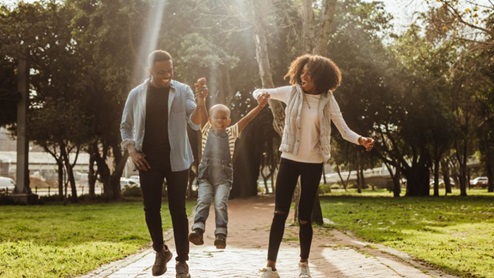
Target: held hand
[139, 161]
[367, 142]
[263, 99]
[202, 91]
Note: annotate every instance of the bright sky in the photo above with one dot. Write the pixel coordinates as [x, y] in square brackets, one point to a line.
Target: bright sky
[402, 10]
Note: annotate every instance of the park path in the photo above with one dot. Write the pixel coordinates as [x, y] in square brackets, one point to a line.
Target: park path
[333, 253]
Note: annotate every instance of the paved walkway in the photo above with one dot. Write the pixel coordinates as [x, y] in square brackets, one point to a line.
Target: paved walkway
[333, 254]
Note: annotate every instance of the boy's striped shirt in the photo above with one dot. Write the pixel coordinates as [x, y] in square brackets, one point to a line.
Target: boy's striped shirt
[232, 132]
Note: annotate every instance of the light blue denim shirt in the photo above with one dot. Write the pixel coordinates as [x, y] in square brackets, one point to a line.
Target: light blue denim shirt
[181, 104]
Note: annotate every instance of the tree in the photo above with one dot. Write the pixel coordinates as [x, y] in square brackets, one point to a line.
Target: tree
[107, 34]
[356, 45]
[466, 24]
[8, 92]
[39, 32]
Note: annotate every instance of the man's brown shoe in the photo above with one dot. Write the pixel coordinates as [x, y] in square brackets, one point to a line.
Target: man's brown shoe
[162, 257]
[182, 270]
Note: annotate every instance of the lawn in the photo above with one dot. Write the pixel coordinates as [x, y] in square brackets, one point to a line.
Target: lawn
[55, 240]
[454, 233]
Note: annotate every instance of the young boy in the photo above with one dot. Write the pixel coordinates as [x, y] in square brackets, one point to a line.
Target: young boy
[215, 173]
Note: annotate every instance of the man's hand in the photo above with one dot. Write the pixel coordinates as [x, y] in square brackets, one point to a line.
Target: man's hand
[139, 161]
[201, 90]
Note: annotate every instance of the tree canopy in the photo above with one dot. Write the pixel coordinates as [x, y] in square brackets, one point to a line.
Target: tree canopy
[425, 94]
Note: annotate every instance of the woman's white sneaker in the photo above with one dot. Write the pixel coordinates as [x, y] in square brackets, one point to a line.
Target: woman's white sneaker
[304, 270]
[268, 272]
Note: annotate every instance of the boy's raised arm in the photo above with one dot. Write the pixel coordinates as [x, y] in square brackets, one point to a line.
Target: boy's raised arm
[262, 100]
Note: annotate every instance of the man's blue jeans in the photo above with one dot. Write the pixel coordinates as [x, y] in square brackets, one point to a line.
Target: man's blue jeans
[207, 193]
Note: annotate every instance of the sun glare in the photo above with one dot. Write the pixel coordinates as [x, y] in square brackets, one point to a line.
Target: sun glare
[149, 39]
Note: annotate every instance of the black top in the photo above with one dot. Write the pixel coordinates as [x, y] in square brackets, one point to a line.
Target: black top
[156, 145]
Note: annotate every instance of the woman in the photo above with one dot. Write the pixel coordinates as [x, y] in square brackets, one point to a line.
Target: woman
[305, 146]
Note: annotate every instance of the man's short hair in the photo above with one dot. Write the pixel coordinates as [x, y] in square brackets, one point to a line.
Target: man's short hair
[158, 56]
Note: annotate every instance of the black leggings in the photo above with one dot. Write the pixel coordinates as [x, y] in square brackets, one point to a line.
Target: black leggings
[286, 181]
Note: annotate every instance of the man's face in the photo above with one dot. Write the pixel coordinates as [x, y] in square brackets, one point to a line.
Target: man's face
[161, 74]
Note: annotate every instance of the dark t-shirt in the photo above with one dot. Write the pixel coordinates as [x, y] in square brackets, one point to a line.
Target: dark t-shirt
[156, 145]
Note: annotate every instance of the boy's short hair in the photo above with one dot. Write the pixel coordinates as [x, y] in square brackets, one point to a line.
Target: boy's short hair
[158, 56]
[219, 107]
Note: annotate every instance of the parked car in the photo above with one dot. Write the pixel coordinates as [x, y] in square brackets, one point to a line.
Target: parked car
[479, 182]
[7, 184]
[127, 182]
[135, 179]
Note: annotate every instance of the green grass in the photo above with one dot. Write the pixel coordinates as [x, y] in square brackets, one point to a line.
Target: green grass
[54, 240]
[454, 233]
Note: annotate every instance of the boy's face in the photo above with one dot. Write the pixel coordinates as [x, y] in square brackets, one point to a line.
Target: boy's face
[219, 119]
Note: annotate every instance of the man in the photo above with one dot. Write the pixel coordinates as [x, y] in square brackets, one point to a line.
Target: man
[154, 132]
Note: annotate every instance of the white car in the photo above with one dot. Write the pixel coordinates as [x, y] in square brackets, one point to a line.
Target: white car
[480, 181]
[127, 182]
[7, 184]
[135, 179]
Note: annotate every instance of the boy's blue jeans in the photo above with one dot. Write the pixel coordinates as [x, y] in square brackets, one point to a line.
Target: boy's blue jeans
[207, 193]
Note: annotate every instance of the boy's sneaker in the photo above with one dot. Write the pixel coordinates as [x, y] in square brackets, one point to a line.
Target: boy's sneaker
[268, 272]
[162, 257]
[196, 237]
[220, 241]
[182, 270]
[304, 270]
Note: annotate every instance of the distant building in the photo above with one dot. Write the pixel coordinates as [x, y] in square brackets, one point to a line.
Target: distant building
[40, 163]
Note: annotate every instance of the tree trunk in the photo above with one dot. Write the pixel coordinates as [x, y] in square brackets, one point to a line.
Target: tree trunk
[436, 175]
[487, 150]
[418, 178]
[446, 176]
[60, 177]
[260, 11]
[307, 26]
[317, 212]
[396, 177]
[92, 173]
[462, 153]
[248, 155]
[120, 161]
[70, 173]
[321, 39]
[105, 175]
[324, 30]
